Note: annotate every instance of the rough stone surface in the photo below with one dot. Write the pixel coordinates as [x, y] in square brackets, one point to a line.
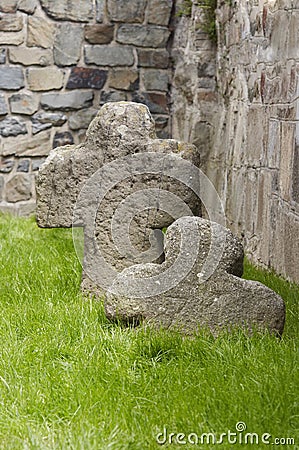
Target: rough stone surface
[27, 6]
[11, 22]
[3, 106]
[124, 79]
[80, 11]
[153, 58]
[30, 56]
[118, 130]
[100, 7]
[143, 35]
[23, 165]
[11, 126]
[6, 165]
[37, 126]
[113, 96]
[126, 10]
[41, 33]
[11, 78]
[155, 80]
[55, 119]
[104, 55]
[67, 44]
[8, 6]
[45, 79]
[69, 101]
[1, 186]
[23, 104]
[81, 119]
[36, 146]
[36, 163]
[62, 138]
[159, 11]
[19, 188]
[84, 77]
[156, 102]
[223, 301]
[2, 55]
[99, 33]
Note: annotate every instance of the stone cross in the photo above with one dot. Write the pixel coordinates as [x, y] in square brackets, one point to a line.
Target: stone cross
[224, 300]
[126, 225]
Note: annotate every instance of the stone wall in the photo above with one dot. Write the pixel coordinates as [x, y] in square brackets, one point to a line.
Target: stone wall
[61, 60]
[239, 103]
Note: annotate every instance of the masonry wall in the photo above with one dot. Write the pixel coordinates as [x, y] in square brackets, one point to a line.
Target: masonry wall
[59, 62]
[238, 101]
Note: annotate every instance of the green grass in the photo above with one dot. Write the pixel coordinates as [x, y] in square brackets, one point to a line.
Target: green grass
[69, 379]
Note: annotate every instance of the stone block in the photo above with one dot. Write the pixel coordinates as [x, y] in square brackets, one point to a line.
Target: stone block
[11, 126]
[55, 119]
[41, 32]
[62, 138]
[113, 96]
[6, 165]
[99, 33]
[36, 146]
[159, 11]
[19, 188]
[81, 11]
[104, 55]
[11, 78]
[11, 22]
[31, 56]
[8, 6]
[37, 127]
[100, 7]
[125, 79]
[82, 119]
[155, 80]
[1, 186]
[3, 106]
[36, 163]
[156, 102]
[67, 44]
[143, 35]
[67, 102]
[23, 165]
[23, 103]
[153, 58]
[84, 77]
[27, 6]
[14, 38]
[126, 10]
[2, 55]
[45, 79]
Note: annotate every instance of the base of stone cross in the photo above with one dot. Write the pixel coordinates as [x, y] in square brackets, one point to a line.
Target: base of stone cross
[223, 301]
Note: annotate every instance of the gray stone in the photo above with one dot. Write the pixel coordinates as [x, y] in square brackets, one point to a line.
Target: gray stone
[100, 6]
[36, 163]
[37, 127]
[27, 6]
[99, 33]
[119, 130]
[81, 119]
[113, 96]
[23, 104]
[31, 56]
[222, 301]
[3, 106]
[23, 165]
[153, 58]
[45, 79]
[11, 22]
[69, 9]
[62, 138]
[11, 78]
[2, 55]
[41, 32]
[159, 11]
[19, 188]
[155, 80]
[67, 45]
[6, 165]
[30, 146]
[143, 35]
[11, 126]
[126, 10]
[8, 6]
[55, 119]
[67, 102]
[104, 55]
[156, 102]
